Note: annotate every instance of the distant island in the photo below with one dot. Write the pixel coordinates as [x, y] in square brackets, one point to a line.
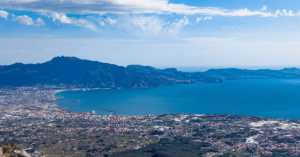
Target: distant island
[75, 72]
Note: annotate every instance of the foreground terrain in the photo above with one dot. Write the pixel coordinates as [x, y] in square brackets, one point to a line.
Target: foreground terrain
[31, 118]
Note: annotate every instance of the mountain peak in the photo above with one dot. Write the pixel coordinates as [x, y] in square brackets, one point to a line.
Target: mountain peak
[170, 70]
[72, 71]
[63, 58]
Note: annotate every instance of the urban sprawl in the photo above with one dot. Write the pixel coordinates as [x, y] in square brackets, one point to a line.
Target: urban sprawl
[31, 118]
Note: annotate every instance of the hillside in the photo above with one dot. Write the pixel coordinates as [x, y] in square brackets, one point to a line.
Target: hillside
[72, 71]
[173, 74]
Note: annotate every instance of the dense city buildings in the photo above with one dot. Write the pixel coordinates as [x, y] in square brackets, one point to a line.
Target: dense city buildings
[31, 118]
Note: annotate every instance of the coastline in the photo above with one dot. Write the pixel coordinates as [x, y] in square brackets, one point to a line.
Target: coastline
[48, 127]
[126, 101]
[76, 89]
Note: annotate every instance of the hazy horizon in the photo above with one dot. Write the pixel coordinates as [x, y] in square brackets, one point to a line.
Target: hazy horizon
[195, 68]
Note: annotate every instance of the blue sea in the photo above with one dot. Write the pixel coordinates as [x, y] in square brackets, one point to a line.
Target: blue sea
[274, 98]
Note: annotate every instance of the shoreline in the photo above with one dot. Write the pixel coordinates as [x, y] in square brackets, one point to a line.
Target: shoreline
[81, 89]
[48, 123]
[264, 113]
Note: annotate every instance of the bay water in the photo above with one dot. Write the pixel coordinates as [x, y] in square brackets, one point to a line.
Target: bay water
[274, 98]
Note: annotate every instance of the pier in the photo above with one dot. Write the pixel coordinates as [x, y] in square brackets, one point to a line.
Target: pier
[112, 112]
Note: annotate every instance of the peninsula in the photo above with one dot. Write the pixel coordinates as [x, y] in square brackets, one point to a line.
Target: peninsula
[75, 72]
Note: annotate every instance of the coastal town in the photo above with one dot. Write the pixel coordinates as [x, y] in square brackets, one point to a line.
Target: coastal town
[31, 118]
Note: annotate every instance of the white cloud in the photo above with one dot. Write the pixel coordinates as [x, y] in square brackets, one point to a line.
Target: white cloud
[207, 18]
[87, 24]
[264, 8]
[177, 26]
[26, 20]
[3, 14]
[298, 13]
[102, 23]
[40, 22]
[290, 13]
[199, 19]
[285, 13]
[112, 21]
[149, 25]
[62, 18]
[19, 1]
[23, 20]
[154, 26]
[278, 12]
[124, 6]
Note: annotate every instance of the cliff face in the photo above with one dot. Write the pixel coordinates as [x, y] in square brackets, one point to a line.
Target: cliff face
[76, 72]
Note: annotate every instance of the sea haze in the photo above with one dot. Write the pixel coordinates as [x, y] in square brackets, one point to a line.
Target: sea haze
[274, 98]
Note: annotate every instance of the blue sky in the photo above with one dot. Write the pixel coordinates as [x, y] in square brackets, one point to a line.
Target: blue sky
[176, 33]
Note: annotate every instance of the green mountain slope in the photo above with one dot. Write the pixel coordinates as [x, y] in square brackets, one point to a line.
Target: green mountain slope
[173, 74]
[72, 71]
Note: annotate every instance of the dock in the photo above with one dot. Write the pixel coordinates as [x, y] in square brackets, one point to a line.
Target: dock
[112, 112]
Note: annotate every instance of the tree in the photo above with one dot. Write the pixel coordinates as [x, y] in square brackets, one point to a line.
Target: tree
[9, 150]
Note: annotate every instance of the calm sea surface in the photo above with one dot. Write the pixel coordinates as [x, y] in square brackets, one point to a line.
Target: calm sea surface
[274, 98]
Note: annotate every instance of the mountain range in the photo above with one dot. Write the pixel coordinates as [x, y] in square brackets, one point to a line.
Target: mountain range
[173, 74]
[72, 71]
